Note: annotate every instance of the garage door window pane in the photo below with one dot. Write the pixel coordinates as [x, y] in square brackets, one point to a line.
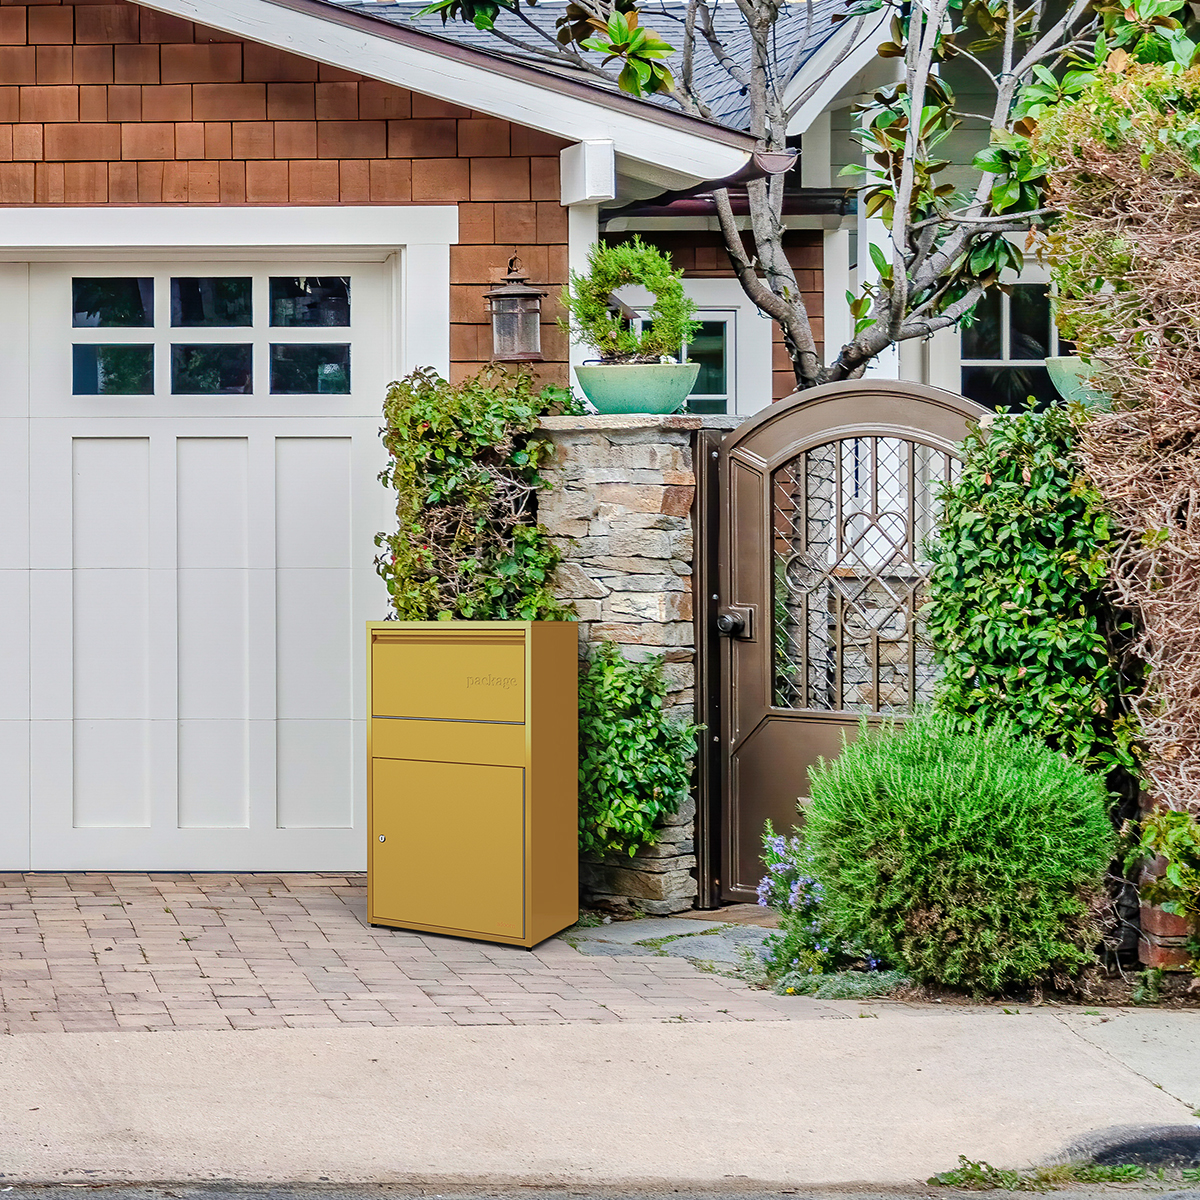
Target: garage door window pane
[310, 301]
[112, 370]
[300, 370]
[213, 370]
[211, 301]
[111, 303]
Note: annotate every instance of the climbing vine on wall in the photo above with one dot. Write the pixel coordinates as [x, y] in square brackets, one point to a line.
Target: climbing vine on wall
[1125, 254]
[466, 465]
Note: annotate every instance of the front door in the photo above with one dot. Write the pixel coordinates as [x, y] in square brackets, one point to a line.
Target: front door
[828, 497]
[203, 453]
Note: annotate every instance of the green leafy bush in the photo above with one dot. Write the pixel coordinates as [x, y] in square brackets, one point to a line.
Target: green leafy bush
[465, 462]
[667, 325]
[635, 762]
[1018, 612]
[974, 859]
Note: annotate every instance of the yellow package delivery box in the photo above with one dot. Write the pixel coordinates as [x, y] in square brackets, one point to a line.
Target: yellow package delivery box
[473, 778]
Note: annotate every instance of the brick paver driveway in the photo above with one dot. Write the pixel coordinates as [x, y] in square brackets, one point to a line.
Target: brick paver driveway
[87, 952]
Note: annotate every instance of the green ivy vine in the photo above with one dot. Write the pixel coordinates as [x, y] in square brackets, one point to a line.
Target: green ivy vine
[466, 465]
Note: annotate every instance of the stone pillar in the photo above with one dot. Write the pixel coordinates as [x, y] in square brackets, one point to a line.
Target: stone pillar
[620, 507]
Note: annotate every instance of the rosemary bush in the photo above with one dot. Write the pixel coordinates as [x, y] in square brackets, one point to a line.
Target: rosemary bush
[975, 860]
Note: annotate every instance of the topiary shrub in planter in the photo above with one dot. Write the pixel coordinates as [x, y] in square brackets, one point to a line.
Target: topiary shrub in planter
[639, 371]
[974, 860]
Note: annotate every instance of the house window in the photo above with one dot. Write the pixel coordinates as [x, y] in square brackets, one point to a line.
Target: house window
[1004, 349]
[711, 347]
[280, 349]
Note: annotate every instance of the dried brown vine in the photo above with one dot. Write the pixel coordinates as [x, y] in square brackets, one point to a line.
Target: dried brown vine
[1126, 257]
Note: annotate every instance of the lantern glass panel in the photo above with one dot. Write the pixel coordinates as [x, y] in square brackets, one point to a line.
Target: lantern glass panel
[516, 328]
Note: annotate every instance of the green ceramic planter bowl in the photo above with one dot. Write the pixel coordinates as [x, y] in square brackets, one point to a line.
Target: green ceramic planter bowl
[1069, 374]
[637, 387]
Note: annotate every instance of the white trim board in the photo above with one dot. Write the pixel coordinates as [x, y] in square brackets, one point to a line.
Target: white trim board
[245, 227]
[416, 237]
[687, 156]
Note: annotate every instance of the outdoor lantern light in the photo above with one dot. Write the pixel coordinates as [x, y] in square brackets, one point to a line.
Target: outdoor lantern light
[516, 317]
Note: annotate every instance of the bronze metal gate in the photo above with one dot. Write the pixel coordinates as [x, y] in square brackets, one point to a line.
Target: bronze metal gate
[827, 498]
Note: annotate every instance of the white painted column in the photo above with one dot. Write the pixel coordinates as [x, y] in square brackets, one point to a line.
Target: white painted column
[816, 153]
[583, 231]
[424, 287]
[943, 355]
[873, 232]
[913, 360]
[839, 328]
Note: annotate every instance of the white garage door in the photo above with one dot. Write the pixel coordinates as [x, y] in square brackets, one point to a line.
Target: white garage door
[202, 500]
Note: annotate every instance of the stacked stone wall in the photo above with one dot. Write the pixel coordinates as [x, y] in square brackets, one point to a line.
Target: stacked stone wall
[621, 507]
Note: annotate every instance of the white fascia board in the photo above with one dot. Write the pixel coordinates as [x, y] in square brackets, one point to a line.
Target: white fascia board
[471, 85]
[383, 227]
[836, 75]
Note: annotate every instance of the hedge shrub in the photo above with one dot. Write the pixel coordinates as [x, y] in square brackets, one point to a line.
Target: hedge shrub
[466, 467]
[974, 860]
[1019, 613]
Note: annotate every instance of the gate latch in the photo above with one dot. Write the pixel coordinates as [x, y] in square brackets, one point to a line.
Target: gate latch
[737, 621]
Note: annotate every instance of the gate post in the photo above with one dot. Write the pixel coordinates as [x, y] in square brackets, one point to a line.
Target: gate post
[623, 507]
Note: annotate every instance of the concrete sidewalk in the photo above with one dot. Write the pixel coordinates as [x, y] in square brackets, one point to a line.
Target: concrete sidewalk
[885, 1100]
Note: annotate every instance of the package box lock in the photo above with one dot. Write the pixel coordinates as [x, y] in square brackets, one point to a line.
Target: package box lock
[472, 785]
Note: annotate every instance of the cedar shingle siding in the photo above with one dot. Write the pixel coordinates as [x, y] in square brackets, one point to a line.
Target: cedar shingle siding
[116, 104]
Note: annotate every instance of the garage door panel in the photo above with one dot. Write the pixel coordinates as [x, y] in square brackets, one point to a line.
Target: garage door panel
[214, 774]
[206, 566]
[111, 644]
[214, 637]
[14, 645]
[212, 504]
[313, 485]
[14, 795]
[314, 644]
[110, 493]
[316, 769]
[14, 493]
[111, 775]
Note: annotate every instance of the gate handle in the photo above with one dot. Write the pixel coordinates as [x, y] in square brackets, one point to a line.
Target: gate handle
[736, 621]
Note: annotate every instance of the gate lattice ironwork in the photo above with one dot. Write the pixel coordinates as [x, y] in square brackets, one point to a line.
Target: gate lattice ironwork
[849, 519]
[827, 501]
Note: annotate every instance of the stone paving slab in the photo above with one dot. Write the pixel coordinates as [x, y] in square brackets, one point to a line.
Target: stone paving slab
[94, 952]
[630, 933]
[711, 944]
